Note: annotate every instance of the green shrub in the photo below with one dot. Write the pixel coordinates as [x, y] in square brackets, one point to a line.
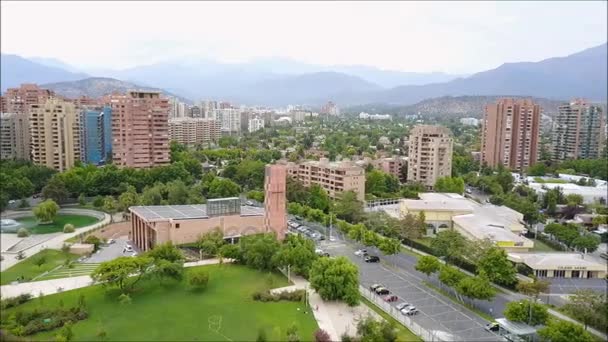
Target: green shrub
[15, 301]
[94, 240]
[68, 228]
[24, 323]
[22, 232]
[198, 279]
[266, 296]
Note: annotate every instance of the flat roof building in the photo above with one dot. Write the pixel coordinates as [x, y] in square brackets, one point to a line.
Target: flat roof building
[180, 224]
[334, 177]
[194, 131]
[499, 224]
[561, 264]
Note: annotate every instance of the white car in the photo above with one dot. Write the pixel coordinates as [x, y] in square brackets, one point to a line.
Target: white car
[402, 306]
[332, 239]
[409, 310]
[111, 241]
[128, 249]
[360, 252]
[134, 254]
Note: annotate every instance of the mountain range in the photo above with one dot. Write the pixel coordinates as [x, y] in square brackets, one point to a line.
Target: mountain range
[279, 81]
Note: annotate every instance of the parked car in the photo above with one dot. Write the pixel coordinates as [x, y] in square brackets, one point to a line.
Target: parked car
[298, 218]
[128, 249]
[36, 195]
[409, 310]
[382, 291]
[402, 306]
[249, 203]
[374, 287]
[360, 252]
[390, 298]
[494, 327]
[371, 258]
[111, 241]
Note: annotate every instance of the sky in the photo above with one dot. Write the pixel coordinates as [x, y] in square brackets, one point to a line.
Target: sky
[453, 37]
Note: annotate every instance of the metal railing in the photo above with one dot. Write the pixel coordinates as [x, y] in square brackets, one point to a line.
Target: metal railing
[415, 328]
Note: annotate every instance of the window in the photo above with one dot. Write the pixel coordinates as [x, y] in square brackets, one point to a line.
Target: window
[177, 225]
[559, 274]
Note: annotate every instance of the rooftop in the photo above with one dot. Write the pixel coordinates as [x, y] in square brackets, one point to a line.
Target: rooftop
[485, 226]
[543, 260]
[184, 212]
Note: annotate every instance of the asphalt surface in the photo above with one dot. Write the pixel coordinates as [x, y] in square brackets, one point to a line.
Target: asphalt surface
[437, 313]
[109, 252]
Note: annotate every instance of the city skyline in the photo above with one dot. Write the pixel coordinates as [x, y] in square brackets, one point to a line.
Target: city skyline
[501, 30]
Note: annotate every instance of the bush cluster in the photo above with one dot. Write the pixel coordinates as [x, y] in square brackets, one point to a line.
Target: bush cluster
[266, 296]
[15, 301]
[25, 323]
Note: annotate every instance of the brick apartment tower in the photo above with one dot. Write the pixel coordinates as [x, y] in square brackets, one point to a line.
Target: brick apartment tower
[19, 100]
[275, 217]
[579, 131]
[140, 132]
[430, 154]
[510, 134]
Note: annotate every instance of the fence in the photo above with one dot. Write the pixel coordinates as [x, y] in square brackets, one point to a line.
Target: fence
[419, 331]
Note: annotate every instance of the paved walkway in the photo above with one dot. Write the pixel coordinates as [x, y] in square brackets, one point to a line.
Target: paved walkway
[54, 243]
[47, 287]
[334, 317]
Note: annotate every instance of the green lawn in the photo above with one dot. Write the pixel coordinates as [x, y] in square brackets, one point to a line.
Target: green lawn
[29, 270]
[403, 333]
[78, 221]
[77, 269]
[222, 312]
[540, 246]
[549, 180]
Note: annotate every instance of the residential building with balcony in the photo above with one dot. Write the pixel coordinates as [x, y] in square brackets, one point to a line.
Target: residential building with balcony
[430, 154]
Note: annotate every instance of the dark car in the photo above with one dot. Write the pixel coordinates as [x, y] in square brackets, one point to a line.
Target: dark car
[382, 291]
[371, 258]
[298, 218]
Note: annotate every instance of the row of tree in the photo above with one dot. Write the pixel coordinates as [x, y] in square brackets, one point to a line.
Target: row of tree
[570, 235]
[594, 168]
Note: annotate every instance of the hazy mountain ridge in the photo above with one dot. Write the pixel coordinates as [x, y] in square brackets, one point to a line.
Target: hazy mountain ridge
[17, 70]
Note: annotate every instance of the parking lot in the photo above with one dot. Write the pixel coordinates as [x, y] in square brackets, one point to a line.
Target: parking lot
[570, 285]
[109, 252]
[436, 314]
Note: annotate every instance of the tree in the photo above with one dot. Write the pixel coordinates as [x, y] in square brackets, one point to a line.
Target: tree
[428, 265]
[450, 184]
[296, 192]
[357, 232]
[574, 199]
[258, 251]
[22, 232]
[198, 278]
[527, 312]
[369, 238]
[588, 306]
[538, 169]
[450, 276]
[261, 336]
[231, 252]
[152, 195]
[476, 287]
[82, 200]
[45, 212]
[375, 183]
[450, 244]
[168, 261]
[256, 195]
[322, 336]
[335, 279]
[39, 261]
[564, 331]
[298, 253]
[177, 192]
[110, 206]
[348, 207]
[409, 228]
[55, 190]
[587, 243]
[210, 242]
[118, 272]
[292, 333]
[389, 246]
[98, 201]
[499, 269]
[534, 288]
[66, 334]
[128, 199]
[222, 187]
[318, 198]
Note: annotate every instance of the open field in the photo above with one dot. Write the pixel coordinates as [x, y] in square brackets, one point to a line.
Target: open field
[28, 269]
[224, 311]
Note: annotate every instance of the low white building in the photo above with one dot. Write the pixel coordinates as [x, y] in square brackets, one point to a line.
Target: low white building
[469, 121]
[590, 194]
[561, 264]
[367, 116]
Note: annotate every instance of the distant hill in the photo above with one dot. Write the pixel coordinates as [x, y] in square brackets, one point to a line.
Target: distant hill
[582, 74]
[17, 70]
[97, 87]
[468, 105]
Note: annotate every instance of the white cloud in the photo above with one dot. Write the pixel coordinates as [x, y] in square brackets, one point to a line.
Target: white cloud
[411, 36]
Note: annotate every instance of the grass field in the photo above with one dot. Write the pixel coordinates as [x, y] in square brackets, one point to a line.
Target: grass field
[403, 334]
[77, 269]
[173, 312]
[550, 180]
[29, 270]
[78, 221]
[540, 246]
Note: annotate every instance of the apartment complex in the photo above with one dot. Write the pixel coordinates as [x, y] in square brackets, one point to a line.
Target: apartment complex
[393, 166]
[18, 100]
[255, 124]
[230, 119]
[140, 130]
[14, 136]
[194, 131]
[578, 131]
[334, 177]
[97, 134]
[55, 134]
[430, 154]
[510, 134]
[153, 225]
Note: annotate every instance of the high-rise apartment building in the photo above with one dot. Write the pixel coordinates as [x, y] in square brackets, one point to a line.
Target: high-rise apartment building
[330, 109]
[430, 154]
[18, 100]
[334, 177]
[55, 134]
[194, 131]
[97, 134]
[255, 124]
[578, 131]
[510, 134]
[230, 119]
[14, 136]
[140, 129]
[208, 109]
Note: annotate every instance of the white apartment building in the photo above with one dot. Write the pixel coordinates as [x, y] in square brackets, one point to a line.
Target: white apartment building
[255, 124]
